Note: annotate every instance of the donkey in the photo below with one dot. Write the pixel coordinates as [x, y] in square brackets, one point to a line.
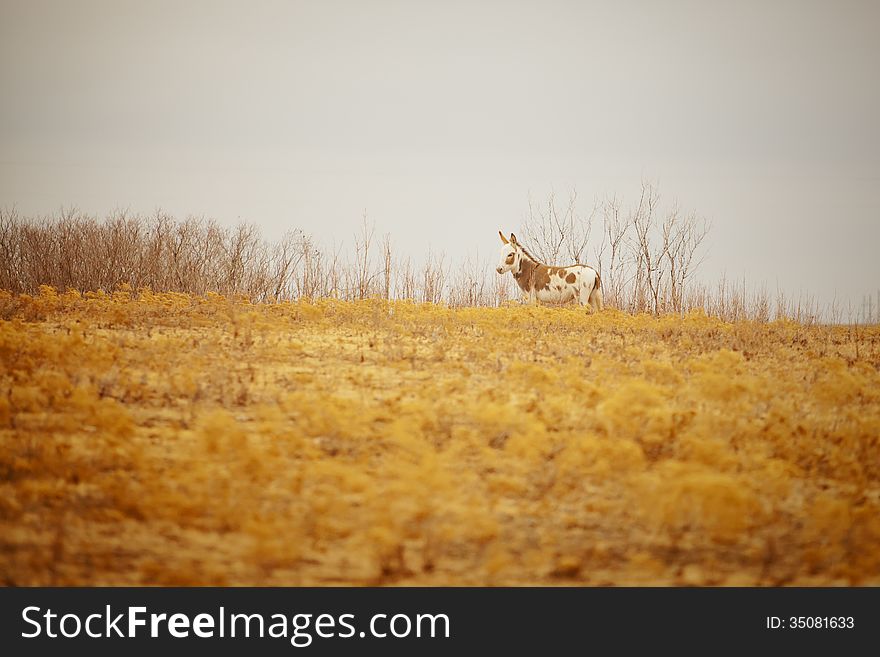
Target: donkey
[549, 284]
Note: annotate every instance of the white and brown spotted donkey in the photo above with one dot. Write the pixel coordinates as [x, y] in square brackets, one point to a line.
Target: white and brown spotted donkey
[549, 284]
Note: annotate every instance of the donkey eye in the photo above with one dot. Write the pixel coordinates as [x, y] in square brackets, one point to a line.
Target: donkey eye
[510, 258]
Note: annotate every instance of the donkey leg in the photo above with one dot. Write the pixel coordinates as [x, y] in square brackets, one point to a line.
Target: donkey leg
[596, 300]
[583, 297]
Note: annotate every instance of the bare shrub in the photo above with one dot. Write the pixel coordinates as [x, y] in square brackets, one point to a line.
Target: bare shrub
[434, 277]
[558, 233]
[470, 285]
[407, 283]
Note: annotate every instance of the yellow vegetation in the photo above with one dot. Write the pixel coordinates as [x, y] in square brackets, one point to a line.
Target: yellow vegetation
[169, 439]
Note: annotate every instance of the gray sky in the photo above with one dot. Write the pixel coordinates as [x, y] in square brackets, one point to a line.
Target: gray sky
[440, 118]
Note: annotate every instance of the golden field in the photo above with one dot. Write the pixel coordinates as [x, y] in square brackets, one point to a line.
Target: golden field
[177, 440]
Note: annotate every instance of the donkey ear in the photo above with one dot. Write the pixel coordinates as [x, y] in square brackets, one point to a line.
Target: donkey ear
[503, 239]
[513, 238]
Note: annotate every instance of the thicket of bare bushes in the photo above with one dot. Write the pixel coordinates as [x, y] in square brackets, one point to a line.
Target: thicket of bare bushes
[197, 255]
[648, 255]
[647, 258]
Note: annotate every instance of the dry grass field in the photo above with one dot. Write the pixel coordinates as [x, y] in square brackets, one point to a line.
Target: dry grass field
[191, 440]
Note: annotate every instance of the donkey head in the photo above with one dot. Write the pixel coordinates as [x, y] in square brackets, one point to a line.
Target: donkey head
[511, 254]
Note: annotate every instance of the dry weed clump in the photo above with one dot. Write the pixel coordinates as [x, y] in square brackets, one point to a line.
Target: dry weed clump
[151, 438]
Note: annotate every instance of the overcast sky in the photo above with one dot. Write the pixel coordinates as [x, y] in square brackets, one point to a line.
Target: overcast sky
[441, 118]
